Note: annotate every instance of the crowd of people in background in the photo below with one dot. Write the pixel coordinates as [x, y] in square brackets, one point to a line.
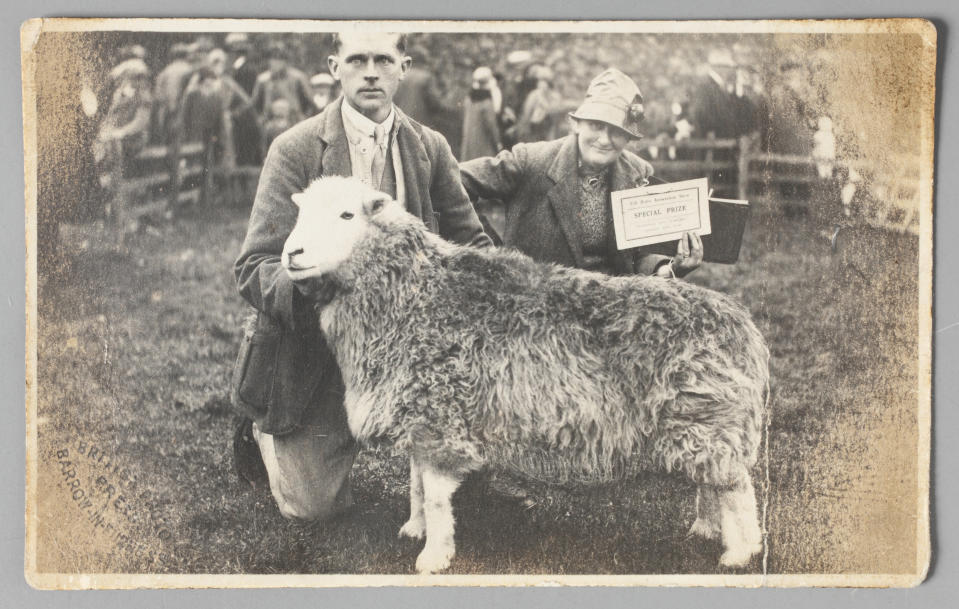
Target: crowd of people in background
[237, 97]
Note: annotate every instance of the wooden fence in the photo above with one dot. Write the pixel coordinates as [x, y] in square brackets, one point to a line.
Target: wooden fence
[159, 180]
[883, 194]
[162, 179]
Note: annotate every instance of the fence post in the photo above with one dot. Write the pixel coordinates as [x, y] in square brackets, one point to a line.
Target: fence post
[206, 193]
[742, 158]
[173, 166]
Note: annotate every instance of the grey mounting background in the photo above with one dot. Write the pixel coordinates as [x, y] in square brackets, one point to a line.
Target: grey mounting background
[942, 583]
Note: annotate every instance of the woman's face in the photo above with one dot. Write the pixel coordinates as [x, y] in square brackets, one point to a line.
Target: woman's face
[599, 143]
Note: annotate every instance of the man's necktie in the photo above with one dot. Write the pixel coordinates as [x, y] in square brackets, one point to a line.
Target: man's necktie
[379, 155]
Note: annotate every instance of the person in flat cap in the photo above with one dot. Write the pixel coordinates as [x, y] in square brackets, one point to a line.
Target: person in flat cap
[557, 193]
[323, 86]
[283, 81]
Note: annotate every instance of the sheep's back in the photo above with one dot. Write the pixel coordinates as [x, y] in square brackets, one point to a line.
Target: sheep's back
[539, 360]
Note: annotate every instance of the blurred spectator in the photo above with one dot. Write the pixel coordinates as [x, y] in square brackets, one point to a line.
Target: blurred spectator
[211, 101]
[719, 108]
[682, 130]
[481, 136]
[200, 48]
[126, 126]
[242, 69]
[247, 133]
[279, 119]
[517, 63]
[514, 92]
[537, 122]
[168, 92]
[420, 95]
[824, 148]
[323, 85]
[282, 81]
[718, 104]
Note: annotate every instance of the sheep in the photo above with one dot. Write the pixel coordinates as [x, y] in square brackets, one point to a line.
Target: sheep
[470, 358]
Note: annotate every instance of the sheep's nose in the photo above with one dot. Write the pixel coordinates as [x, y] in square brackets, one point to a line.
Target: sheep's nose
[295, 252]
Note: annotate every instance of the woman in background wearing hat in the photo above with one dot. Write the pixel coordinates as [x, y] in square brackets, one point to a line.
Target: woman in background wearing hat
[557, 193]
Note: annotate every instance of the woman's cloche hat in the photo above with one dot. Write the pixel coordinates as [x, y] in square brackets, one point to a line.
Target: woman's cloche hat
[613, 98]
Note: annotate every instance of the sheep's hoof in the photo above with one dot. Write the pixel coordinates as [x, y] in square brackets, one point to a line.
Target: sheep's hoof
[414, 529]
[738, 557]
[704, 528]
[434, 559]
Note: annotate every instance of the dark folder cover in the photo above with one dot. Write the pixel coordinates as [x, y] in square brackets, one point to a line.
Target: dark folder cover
[728, 220]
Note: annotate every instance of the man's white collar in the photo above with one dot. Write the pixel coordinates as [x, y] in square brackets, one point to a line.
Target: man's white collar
[363, 124]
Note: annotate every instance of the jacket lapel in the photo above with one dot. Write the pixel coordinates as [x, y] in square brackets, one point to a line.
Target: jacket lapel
[416, 167]
[336, 156]
[564, 197]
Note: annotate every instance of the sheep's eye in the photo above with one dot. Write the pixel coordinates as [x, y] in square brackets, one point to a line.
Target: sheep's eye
[347, 215]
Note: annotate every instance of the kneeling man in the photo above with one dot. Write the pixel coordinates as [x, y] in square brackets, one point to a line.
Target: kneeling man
[286, 381]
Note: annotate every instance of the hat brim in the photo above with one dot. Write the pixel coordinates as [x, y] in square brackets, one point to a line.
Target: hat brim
[604, 114]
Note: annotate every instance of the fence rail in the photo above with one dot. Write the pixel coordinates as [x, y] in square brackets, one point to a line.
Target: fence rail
[165, 178]
[161, 179]
[882, 194]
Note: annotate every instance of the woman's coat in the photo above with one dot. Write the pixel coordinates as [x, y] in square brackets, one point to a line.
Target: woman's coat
[539, 184]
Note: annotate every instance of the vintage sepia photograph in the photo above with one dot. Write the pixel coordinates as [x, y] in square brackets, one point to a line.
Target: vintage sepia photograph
[367, 303]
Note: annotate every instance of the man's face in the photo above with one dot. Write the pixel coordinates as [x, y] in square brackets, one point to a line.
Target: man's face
[369, 68]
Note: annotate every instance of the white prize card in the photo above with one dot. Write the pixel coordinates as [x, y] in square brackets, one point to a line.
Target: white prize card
[654, 214]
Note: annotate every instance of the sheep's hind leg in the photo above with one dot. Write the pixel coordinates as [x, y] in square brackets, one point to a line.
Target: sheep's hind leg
[707, 523]
[438, 489]
[415, 527]
[739, 523]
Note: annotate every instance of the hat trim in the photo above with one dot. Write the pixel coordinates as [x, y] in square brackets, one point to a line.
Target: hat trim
[618, 124]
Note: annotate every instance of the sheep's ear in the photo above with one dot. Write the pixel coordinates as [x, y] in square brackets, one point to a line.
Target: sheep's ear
[373, 206]
[298, 199]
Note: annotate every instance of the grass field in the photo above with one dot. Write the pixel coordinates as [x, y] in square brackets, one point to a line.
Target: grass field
[135, 347]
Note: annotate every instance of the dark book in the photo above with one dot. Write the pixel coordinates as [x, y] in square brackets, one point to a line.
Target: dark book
[727, 218]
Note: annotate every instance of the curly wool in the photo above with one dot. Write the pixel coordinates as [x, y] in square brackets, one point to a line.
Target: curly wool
[470, 358]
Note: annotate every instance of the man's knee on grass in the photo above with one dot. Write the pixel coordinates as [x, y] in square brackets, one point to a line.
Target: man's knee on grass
[306, 506]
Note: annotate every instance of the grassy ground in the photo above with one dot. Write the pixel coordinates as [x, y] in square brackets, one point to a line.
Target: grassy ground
[136, 344]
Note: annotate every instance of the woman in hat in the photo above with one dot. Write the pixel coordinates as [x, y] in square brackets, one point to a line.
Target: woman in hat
[557, 193]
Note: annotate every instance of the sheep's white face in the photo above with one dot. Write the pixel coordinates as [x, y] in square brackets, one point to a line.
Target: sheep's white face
[334, 215]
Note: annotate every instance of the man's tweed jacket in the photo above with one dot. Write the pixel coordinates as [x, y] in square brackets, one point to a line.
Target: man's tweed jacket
[283, 360]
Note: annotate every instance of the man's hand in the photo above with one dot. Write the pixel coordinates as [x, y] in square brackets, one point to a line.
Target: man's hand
[318, 290]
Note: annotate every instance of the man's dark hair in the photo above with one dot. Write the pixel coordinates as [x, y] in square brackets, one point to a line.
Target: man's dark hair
[400, 43]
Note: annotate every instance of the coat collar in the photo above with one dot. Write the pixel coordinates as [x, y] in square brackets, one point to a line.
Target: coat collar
[564, 196]
[417, 168]
[336, 156]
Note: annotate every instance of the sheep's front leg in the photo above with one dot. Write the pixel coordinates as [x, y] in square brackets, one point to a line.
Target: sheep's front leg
[415, 527]
[438, 489]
